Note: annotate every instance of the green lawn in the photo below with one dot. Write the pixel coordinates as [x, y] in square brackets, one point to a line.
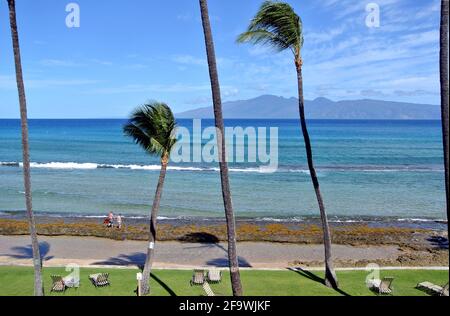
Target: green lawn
[19, 281]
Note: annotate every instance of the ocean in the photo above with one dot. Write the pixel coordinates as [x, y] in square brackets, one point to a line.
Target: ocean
[386, 170]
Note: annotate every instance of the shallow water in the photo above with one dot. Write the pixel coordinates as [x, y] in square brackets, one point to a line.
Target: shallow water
[366, 169]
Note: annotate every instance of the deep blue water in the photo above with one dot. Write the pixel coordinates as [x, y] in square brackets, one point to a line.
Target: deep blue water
[366, 168]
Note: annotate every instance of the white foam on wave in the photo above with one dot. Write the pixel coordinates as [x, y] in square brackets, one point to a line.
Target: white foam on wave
[92, 166]
[346, 221]
[260, 169]
[417, 220]
[63, 165]
[280, 220]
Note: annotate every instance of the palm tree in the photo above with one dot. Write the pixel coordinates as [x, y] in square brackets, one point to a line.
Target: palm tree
[444, 94]
[37, 261]
[226, 192]
[277, 25]
[152, 126]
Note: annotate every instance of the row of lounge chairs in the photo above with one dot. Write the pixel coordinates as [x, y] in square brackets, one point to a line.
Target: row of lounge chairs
[201, 276]
[204, 278]
[384, 286]
[61, 284]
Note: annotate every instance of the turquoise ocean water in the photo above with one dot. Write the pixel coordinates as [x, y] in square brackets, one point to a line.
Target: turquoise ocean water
[367, 169]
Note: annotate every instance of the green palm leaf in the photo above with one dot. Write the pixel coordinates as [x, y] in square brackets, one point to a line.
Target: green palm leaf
[152, 126]
[277, 25]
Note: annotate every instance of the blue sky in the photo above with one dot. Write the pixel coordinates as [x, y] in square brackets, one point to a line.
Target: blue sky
[127, 52]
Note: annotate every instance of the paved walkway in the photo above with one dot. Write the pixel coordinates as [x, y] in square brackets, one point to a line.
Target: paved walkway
[85, 251]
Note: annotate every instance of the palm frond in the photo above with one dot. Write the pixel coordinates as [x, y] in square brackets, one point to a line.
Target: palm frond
[263, 37]
[277, 25]
[152, 126]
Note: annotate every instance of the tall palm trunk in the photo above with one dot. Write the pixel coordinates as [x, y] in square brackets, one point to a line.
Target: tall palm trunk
[443, 65]
[330, 275]
[226, 194]
[37, 262]
[145, 283]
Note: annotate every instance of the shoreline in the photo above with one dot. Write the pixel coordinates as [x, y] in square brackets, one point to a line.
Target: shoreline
[134, 219]
[264, 244]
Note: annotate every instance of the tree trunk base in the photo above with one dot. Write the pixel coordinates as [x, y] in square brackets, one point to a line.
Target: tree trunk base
[331, 279]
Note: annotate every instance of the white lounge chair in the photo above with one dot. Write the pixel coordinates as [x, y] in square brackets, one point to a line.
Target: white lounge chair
[383, 286]
[198, 278]
[214, 276]
[433, 289]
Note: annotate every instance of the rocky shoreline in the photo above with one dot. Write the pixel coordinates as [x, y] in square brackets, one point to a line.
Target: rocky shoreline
[415, 246]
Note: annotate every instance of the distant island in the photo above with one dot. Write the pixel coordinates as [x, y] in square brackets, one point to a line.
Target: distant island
[274, 107]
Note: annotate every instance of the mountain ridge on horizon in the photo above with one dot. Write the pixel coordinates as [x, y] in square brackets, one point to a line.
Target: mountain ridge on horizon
[278, 107]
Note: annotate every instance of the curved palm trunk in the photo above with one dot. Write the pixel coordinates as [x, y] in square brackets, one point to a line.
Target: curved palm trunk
[37, 262]
[443, 65]
[226, 194]
[145, 283]
[330, 275]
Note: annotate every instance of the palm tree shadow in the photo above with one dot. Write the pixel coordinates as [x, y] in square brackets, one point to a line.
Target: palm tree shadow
[207, 240]
[163, 285]
[438, 242]
[199, 237]
[315, 278]
[135, 259]
[26, 252]
[223, 262]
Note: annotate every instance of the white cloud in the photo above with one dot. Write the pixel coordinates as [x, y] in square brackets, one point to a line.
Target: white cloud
[9, 82]
[60, 63]
[189, 60]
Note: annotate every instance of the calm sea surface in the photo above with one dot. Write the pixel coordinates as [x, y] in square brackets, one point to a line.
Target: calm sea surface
[367, 169]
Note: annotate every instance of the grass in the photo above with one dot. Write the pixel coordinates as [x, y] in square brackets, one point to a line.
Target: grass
[19, 281]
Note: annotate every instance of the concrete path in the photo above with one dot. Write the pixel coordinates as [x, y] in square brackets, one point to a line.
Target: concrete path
[87, 251]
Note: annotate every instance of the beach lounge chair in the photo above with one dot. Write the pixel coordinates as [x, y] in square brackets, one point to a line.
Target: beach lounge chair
[383, 286]
[207, 289]
[58, 284]
[444, 291]
[198, 278]
[100, 279]
[71, 282]
[433, 289]
[214, 276]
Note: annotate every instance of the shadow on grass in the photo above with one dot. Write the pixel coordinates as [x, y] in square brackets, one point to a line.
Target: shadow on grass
[26, 252]
[163, 285]
[315, 278]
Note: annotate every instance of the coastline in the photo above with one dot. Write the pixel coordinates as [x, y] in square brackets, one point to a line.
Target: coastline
[262, 243]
